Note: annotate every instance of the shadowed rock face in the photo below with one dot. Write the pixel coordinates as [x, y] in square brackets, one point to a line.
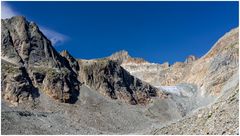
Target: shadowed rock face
[112, 80]
[36, 64]
[70, 60]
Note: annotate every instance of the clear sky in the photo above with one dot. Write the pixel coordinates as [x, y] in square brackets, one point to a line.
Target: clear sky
[155, 31]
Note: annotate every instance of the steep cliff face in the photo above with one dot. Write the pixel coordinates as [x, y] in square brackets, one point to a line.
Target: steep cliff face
[30, 44]
[35, 62]
[112, 80]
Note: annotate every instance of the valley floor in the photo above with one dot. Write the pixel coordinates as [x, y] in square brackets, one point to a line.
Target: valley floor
[92, 114]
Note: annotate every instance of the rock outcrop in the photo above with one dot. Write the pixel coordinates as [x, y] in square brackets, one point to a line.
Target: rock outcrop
[37, 63]
[16, 85]
[112, 80]
[70, 60]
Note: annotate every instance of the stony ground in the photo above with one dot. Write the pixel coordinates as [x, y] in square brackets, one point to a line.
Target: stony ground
[92, 114]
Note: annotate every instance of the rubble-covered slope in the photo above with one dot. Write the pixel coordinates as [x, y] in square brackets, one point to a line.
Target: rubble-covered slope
[221, 117]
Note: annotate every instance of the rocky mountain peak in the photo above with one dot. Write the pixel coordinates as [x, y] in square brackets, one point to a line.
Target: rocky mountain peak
[121, 53]
[123, 57]
[28, 53]
[29, 42]
[120, 56]
[70, 60]
[65, 53]
[16, 19]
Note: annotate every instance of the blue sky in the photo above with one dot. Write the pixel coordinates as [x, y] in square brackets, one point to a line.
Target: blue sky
[155, 31]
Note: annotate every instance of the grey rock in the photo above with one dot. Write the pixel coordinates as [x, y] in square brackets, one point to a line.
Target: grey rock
[15, 84]
[112, 80]
[30, 44]
[24, 45]
[70, 60]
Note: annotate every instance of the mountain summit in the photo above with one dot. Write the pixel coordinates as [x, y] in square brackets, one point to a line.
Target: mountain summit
[123, 57]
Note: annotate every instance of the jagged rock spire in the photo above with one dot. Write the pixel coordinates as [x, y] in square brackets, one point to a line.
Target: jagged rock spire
[120, 56]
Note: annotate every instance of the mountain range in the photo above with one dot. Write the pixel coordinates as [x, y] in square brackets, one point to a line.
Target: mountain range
[47, 92]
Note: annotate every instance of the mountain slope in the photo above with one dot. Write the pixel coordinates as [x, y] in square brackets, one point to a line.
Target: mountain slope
[209, 72]
[217, 74]
[213, 70]
[219, 118]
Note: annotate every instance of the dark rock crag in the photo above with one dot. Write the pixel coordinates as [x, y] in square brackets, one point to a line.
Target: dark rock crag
[29, 59]
[112, 80]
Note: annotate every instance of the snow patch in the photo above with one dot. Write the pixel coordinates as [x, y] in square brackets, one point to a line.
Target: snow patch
[177, 90]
